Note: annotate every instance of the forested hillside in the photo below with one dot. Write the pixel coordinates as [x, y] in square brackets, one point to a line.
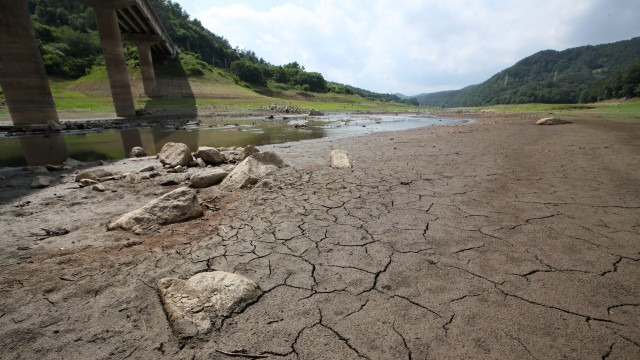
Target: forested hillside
[70, 47]
[569, 76]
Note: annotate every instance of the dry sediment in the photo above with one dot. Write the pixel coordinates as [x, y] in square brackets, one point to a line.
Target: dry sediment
[496, 239]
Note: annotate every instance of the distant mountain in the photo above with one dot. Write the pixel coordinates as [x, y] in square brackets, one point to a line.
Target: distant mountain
[550, 76]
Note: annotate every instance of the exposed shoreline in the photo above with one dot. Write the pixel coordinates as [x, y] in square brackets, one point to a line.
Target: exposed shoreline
[497, 238]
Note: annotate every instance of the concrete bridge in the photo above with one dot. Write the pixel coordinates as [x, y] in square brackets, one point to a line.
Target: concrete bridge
[22, 74]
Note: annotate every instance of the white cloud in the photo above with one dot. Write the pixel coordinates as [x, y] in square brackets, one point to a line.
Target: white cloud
[414, 46]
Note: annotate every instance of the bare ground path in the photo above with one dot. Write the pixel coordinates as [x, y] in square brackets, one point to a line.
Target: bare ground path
[498, 239]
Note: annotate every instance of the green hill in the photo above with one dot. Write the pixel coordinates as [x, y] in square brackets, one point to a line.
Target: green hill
[569, 76]
[69, 44]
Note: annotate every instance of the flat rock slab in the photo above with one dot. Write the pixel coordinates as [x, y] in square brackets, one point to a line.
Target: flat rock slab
[552, 121]
[93, 174]
[340, 159]
[208, 178]
[178, 205]
[193, 306]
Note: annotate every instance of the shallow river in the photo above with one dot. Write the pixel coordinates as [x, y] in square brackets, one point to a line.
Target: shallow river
[217, 132]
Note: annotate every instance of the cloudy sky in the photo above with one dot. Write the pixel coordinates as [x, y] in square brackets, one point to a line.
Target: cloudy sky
[413, 46]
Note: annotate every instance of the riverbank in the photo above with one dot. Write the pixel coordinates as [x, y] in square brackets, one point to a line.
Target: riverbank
[494, 239]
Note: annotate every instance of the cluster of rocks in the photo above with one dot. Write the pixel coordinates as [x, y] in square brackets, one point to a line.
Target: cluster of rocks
[286, 109]
[43, 179]
[92, 125]
[212, 167]
[197, 305]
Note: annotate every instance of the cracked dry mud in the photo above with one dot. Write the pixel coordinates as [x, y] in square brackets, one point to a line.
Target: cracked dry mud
[496, 239]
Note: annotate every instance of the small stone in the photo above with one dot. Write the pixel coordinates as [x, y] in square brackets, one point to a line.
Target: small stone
[314, 112]
[177, 179]
[137, 151]
[93, 174]
[552, 121]
[52, 167]
[340, 159]
[201, 163]
[73, 162]
[177, 169]
[39, 170]
[169, 182]
[147, 168]
[87, 182]
[41, 182]
[98, 188]
[133, 178]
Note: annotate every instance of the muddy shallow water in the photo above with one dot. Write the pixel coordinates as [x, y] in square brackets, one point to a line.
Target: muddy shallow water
[100, 144]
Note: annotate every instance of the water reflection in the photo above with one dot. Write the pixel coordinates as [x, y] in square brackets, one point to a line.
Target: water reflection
[216, 132]
[130, 139]
[50, 149]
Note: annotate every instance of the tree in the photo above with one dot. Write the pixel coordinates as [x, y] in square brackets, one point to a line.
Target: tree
[312, 80]
[248, 71]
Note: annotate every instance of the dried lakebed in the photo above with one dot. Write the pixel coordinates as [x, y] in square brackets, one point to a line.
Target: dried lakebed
[496, 239]
[110, 144]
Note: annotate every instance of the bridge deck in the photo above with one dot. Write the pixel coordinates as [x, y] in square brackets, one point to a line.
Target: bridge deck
[138, 22]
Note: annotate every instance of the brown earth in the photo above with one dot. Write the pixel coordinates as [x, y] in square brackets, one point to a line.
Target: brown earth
[495, 239]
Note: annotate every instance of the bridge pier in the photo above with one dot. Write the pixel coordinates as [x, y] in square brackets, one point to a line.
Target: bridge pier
[146, 68]
[111, 41]
[22, 74]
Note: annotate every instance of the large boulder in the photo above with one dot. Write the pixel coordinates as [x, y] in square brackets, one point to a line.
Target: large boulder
[314, 112]
[249, 150]
[178, 205]
[195, 305]
[210, 155]
[208, 178]
[175, 154]
[233, 155]
[340, 159]
[93, 174]
[552, 121]
[251, 170]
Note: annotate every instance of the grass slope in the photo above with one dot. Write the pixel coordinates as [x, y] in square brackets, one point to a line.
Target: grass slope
[89, 96]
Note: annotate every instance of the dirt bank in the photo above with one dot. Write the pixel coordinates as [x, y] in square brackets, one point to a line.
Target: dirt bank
[495, 239]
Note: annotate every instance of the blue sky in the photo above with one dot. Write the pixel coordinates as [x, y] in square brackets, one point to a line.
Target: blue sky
[413, 46]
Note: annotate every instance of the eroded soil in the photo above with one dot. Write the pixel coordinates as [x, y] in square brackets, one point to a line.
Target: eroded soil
[496, 239]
